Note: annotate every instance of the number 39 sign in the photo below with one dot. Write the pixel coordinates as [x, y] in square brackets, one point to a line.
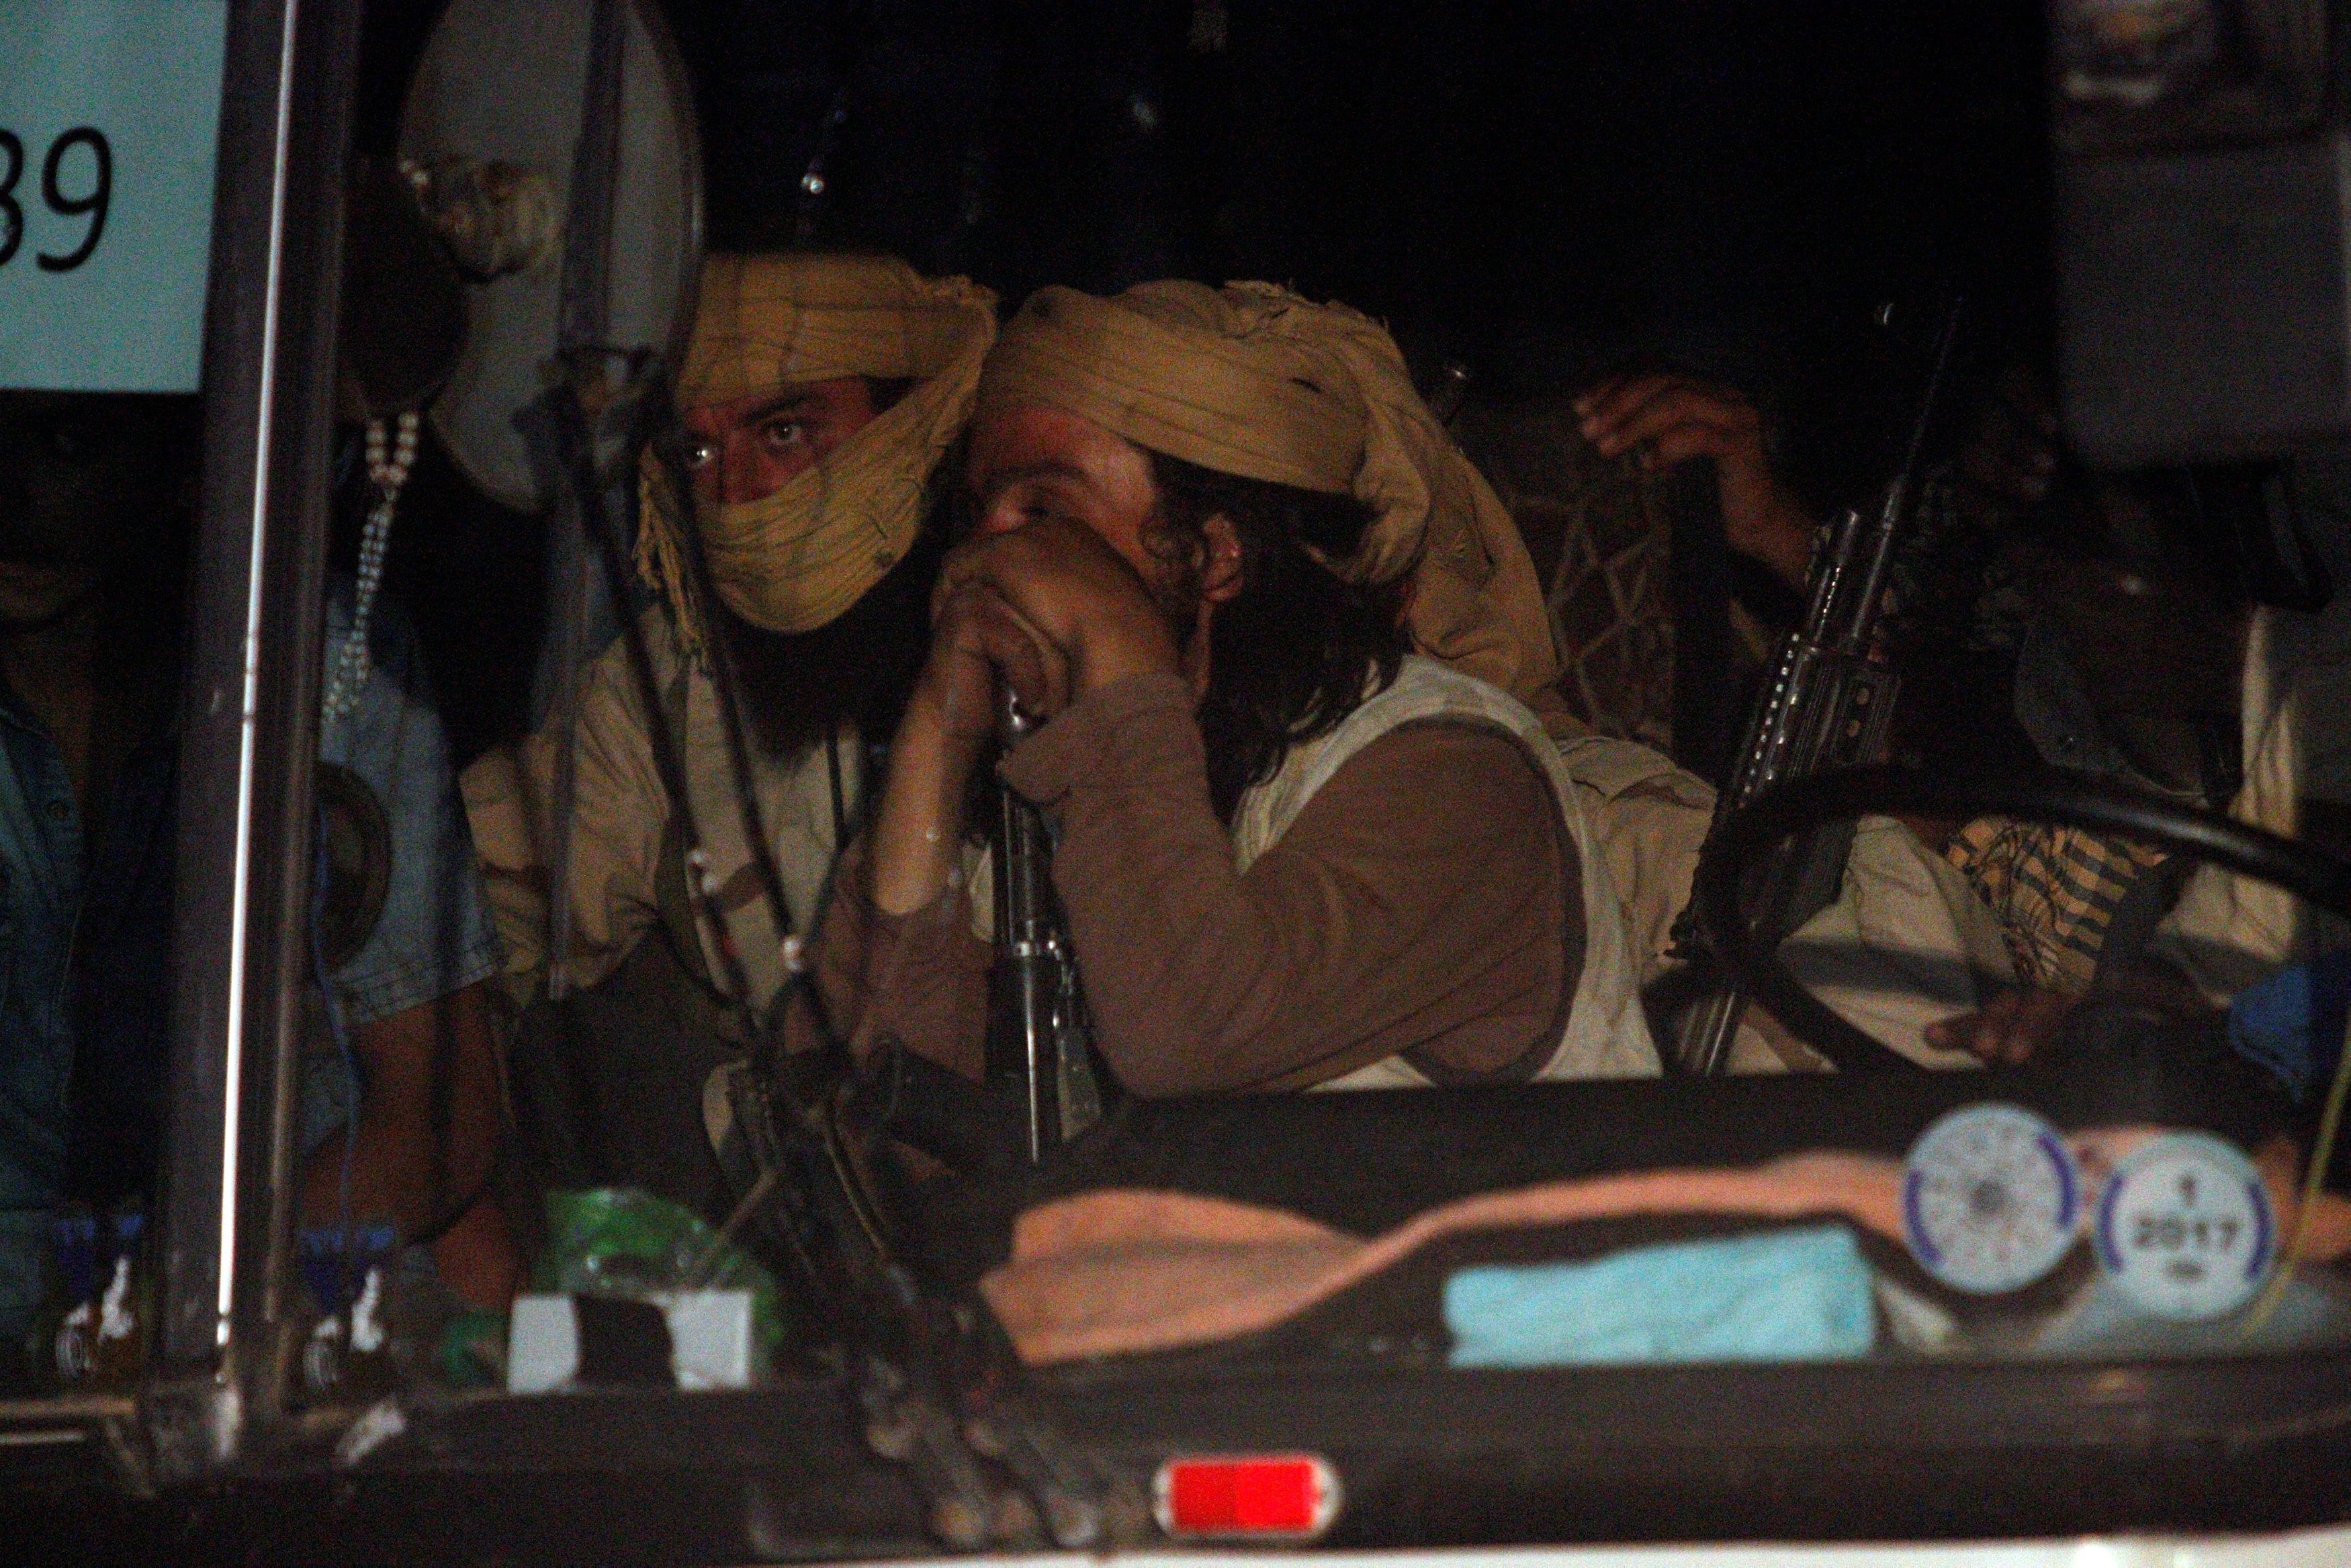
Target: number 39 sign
[110, 113]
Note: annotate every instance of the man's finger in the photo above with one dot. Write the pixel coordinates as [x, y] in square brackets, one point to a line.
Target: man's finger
[1683, 399]
[1592, 395]
[2013, 1046]
[957, 567]
[1028, 661]
[2039, 1015]
[975, 632]
[2009, 1031]
[1594, 400]
[999, 563]
[1730, 427]
[1979, 1032]
[1680, 442]
[1037, 666]
[2010, 1017]
[1620, 403]
[1020, 663]
[1615, 400]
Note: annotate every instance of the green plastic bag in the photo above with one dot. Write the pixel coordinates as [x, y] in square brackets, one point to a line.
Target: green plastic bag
[625, 1241]
[472, 1351]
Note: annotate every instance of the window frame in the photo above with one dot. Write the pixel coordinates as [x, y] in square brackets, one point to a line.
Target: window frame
[249, 722]
[250, 732]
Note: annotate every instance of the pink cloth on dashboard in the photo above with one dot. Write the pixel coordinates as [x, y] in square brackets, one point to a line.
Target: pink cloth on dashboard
[1123, 1272]
[1120, 1271]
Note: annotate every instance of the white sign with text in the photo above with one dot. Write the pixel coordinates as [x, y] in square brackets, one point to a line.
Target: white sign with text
[109, 122]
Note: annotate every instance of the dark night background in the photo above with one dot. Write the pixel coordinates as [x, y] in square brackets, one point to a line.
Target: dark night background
[1544, 190]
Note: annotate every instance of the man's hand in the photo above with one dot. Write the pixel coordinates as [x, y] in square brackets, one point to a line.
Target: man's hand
[1670, 419]
[2011, 1030]
[1062, 581]
[1047, 607]
[976, 639]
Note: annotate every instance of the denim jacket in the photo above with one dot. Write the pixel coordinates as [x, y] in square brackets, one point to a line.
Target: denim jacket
[86, 931]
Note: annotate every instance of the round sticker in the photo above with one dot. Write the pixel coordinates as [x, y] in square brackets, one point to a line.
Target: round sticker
[1991, 1199]
[2184, 1228]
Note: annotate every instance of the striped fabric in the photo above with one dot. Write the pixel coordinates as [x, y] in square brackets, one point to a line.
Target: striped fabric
[2054, 891]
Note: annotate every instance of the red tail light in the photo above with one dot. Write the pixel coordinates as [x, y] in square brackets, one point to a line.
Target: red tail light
[1261, 1496]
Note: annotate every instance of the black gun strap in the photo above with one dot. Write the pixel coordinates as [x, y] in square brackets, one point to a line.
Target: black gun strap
[1698, 589]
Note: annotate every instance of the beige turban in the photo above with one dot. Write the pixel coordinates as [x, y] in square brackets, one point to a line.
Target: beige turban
[1256, 381]
[794, 560]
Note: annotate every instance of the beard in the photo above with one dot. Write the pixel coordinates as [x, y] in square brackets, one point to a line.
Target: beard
[858, 668]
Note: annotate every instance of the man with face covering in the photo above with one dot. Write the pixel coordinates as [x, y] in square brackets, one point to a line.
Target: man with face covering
[819, 395]
[1307, 837]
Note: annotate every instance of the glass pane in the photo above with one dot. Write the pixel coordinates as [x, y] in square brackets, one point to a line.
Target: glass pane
[109, 120]
[1064, 733]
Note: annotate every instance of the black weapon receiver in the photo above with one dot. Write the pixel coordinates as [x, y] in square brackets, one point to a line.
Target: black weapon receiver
[1827, 705]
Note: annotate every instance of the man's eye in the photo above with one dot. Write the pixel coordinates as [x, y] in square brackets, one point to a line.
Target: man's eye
[700, 454]
[784, 432]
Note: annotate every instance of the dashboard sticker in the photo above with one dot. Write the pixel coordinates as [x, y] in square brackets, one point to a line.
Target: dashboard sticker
[2185, 1228]
[1991, 1198]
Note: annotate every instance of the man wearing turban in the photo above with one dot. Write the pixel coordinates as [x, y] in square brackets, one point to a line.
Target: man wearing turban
[1306, 834]
[819, 395]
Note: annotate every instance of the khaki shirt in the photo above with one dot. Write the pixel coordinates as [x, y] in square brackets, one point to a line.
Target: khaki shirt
[627, 852]
[2228, 931]
[1906, 944]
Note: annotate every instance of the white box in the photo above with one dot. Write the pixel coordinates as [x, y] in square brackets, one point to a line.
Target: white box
[709, 1334]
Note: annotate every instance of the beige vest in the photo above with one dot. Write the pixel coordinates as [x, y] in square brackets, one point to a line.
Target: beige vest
[627, 858]
[1606, 1034]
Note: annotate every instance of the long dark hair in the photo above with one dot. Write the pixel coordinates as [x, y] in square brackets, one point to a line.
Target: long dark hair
[1298, 647]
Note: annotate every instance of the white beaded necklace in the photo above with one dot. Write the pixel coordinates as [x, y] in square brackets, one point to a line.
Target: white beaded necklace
[386, 472]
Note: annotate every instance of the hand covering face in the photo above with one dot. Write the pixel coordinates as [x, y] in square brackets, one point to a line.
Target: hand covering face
[796, 559]
[1256, 381]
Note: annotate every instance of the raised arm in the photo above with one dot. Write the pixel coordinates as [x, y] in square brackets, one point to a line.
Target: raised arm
[1424, 901]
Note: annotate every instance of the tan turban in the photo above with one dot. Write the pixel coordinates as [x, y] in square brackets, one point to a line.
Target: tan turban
[1254, 380]
[794, 560]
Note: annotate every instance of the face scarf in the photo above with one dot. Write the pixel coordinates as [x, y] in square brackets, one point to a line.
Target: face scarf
[1256, 381]
[797, 559]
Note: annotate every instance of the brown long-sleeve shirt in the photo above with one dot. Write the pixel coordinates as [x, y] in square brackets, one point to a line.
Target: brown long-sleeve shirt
[1425, 901]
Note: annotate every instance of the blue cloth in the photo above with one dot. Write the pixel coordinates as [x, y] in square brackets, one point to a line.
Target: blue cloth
[84, 934]
[2291, 1022]
[1788, 1295]
[85, 942]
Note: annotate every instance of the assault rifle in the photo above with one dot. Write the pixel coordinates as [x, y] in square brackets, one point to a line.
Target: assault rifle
[1827, 705]
[1036, 1033]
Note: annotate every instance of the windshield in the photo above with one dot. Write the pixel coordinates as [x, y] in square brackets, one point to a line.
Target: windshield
[1184, 689]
